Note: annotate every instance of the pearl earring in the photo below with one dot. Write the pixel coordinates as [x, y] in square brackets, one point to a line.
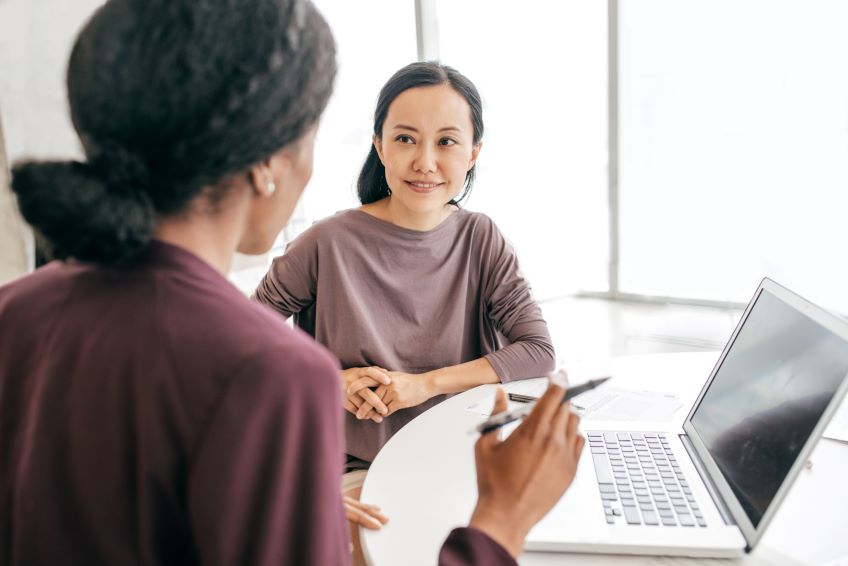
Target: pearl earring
[271, 187]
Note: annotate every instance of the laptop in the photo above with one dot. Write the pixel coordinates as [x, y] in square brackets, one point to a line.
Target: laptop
[711, 489]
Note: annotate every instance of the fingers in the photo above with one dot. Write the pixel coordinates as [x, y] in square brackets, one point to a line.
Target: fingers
[368, 516]
[501, 404]
[356, 404]
[373, 415]
[573, 423]
[356, 400]
[491, 438]
[546, 407]
[574, 438]
[349, 407]
[371, 400]
[566, 429]
[371, 406]
[360, 384]
[393, 406]
[562, 422]
[578, 447]
[373, 510]
[377, 374]
[382, 392]
[368, 411]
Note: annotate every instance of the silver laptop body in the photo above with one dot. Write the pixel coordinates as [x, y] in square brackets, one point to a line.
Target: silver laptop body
[716, 484]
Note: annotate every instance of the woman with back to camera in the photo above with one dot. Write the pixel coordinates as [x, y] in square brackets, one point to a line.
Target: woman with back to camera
[412, 293]
[149, 413]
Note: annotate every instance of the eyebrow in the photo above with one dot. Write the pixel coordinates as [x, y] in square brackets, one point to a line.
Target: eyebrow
[411, 129]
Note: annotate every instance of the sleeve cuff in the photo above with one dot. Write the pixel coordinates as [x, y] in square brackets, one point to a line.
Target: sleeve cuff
[467, 546]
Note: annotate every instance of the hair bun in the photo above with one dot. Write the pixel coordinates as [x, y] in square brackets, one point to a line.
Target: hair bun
[121, 169]
[95, 213]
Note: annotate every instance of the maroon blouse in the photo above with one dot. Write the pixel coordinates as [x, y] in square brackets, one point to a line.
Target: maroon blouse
[151, 414]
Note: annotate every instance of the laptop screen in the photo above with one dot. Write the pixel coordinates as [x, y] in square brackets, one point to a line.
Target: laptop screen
[766, 398]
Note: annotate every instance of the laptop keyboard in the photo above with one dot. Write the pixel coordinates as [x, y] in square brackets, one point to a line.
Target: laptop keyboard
[641, 482]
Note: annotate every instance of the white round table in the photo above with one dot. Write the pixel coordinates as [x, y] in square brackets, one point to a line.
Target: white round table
[424, 480]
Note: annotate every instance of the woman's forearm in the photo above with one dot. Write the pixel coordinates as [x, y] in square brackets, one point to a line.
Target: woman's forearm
[453, 379]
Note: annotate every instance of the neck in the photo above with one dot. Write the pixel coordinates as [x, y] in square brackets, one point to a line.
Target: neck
[213, 237]
[393, 211]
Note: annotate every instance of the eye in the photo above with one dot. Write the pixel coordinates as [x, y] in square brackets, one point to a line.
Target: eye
[447, 142]
[404, 138]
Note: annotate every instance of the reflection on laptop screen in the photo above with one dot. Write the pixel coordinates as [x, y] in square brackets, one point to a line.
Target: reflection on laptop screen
[777, 379]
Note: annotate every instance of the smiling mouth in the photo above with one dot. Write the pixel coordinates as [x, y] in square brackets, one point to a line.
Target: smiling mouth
[422, 187]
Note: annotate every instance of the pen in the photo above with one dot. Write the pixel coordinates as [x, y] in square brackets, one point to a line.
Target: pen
[502, 419]
[519, 398]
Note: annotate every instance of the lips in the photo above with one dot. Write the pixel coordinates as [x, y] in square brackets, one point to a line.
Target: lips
[422, 186]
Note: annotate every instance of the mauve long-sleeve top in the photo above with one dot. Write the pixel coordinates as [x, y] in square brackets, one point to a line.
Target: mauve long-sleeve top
[376, 294]
[150, 414]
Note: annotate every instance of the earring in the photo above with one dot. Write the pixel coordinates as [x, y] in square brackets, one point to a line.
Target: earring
[270, 187]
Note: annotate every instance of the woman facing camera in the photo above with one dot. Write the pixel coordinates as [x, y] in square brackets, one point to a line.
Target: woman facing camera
[416, 296]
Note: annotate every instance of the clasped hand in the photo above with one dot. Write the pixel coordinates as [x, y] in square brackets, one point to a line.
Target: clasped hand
[374, 392]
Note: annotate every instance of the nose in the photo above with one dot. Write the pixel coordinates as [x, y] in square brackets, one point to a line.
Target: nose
[425, 159]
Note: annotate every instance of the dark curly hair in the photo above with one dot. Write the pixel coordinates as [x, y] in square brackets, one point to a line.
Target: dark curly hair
[169, 97]
[371, 185]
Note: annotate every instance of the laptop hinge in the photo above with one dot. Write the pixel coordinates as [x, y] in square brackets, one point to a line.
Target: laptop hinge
[711, 488]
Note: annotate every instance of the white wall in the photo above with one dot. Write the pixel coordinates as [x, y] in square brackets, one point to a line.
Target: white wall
[35, 42]
[16, 244]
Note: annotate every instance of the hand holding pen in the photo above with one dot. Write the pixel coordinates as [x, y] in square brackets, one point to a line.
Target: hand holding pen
[520, 478]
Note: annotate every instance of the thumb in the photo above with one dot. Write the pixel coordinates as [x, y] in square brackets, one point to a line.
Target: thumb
[490, 439]
[500, 401]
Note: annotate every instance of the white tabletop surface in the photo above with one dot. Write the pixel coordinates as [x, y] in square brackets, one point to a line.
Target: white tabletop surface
[424, 480]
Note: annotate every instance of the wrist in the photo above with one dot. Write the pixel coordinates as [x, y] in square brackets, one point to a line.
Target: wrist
[500, 526]
[434, 382]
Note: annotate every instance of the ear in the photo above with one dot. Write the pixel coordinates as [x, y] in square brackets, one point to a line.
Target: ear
[475, 152]
[261, 177]
[378, 145]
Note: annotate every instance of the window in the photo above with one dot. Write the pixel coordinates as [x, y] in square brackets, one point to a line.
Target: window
[541, 70]
[734, 148]
[373, 40]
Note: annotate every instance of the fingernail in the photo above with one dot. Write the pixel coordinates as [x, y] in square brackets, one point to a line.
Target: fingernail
[379, 419]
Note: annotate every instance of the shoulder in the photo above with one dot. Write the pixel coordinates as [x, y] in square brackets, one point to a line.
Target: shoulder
[481, 230]
[323, 239]
[477, 220]
[288, 357]
[286, 368]
[47, 284]
[252, 329]
[50, 274]
[330, 227]
[249, 341]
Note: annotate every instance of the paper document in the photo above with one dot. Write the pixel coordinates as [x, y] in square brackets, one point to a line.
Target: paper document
[534, 388]
[838, 427]
[617, 404]
[603, 404]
